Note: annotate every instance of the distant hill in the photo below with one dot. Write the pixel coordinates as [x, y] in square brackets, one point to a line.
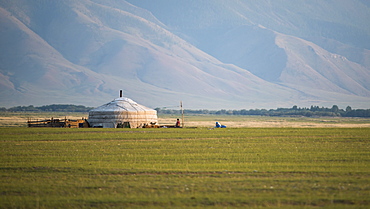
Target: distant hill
[210, 54]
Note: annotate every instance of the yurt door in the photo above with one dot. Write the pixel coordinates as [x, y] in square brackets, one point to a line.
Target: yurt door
[123, 125]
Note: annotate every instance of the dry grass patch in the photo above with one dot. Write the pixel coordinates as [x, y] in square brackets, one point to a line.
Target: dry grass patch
[267, 122]
[19, 119]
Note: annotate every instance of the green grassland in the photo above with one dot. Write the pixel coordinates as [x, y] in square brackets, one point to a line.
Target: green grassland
[185, 168]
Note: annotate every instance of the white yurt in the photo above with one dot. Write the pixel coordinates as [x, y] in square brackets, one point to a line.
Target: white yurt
[122, 113]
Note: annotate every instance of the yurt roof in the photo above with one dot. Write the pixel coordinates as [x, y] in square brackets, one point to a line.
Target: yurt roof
[122, 104]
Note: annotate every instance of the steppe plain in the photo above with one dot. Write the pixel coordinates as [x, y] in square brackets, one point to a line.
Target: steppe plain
[257, 162]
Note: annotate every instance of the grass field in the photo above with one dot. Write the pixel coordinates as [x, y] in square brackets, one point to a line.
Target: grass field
[186, 168]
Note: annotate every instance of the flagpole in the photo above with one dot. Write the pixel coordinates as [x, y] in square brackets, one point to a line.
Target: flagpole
[182, 113]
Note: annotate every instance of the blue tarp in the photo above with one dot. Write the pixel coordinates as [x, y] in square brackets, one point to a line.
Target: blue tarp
[218, 125]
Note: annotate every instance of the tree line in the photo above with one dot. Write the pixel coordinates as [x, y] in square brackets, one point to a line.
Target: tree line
[313, 111]
[48, 108]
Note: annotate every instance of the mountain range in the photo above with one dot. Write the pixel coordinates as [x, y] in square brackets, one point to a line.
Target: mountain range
[210, 54]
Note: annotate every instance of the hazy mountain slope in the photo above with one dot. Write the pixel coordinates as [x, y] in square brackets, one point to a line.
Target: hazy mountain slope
[252, 48]
[33, 71]
[245, 33]
[80, 52]
[345, 20]
[316, 68]
[342, 20]
[83, 52]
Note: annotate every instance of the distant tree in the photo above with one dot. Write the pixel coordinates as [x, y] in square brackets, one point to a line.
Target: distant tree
[335, 108]
[49, 108]
[314, 108]
[229, 112]
[348, 109]
[221, 112]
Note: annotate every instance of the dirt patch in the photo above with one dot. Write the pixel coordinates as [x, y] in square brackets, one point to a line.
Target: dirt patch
[259, 124]
[276, 123]
[236, 122]
[12, 121]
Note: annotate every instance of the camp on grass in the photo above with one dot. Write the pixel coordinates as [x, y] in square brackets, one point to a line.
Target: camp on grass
[245, 167]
